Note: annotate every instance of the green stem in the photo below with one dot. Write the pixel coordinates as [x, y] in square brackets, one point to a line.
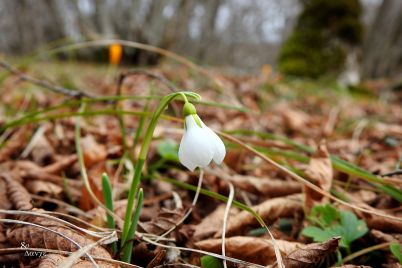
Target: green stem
[128, 248]
[142, 157]
[107, 193]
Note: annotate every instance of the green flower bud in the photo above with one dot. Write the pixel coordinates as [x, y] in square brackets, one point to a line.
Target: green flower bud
[189, 109]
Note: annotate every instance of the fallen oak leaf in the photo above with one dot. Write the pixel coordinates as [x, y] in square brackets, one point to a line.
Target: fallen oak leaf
[61, 164]
[54, 260]
[251, 249]
[212, 223]
[320, 172]
[259, 186]
[265, 186]
[17, 194]
[269, 211]
[38, 237]
[163, 221]
[311, 255]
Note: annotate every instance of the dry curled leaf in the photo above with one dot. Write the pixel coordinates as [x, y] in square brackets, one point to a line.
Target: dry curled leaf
[37, 237]
[17, 194]
[380, 223]
[42, 151]
[311, 255]
[62, 163]
[93, 152]
[381, 237]
[43, 188]
[15, 143]
[265, 186]
[212, 223]
[294, 119]
[270, 211]
[55, 260]
[251, 249]
[4, 201]
[165, 220]
[320, 172]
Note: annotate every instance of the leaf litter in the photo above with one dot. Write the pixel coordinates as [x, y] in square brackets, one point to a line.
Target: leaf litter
[38, 158]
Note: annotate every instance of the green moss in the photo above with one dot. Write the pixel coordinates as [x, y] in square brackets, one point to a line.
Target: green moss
[317, 45]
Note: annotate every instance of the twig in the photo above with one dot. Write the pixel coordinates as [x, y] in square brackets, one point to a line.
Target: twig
[164, 52]
[160, 78]
[365, 251]
[50, 217]
[225, 219]
[42, 83]
[393, 173]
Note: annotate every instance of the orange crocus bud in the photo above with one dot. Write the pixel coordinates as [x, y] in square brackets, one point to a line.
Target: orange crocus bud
[115, 53]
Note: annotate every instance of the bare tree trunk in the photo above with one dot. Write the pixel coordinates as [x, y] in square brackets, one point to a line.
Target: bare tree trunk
[85, 24]
[30, 24]
[102, 18]
[383, 46]
[211, 8]
[177, 32]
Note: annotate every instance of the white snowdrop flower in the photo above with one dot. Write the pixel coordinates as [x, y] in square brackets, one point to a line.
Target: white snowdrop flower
[199, 145]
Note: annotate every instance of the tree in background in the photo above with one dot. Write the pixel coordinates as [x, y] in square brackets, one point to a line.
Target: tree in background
[324, 33]
[383, 46]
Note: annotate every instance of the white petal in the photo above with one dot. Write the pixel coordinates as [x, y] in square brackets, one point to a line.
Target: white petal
[218, 145]
[195, 149]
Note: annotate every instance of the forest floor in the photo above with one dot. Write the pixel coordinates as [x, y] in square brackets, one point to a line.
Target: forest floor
[317, 164]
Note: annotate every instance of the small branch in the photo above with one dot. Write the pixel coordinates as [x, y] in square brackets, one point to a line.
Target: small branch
[393, 173]
[42, 83]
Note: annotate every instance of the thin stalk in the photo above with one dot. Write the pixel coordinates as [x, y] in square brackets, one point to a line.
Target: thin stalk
[142, 158]
[128, 248]
[365, 251]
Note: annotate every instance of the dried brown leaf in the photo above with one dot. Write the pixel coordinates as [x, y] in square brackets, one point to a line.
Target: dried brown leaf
[43, 188]
[311, 255]
[15, 143]
[294, 119]
[320, 173]
[38, 237]
[381, 237]
[55, 260]
[61, 164]
[381, 223]
[212, 223]
[17, 194]
[93, 152]
[4, 201]
[374, 221]
[163, 221]
[251, 249]
[265, 186]
[270, 211]
[42, 151]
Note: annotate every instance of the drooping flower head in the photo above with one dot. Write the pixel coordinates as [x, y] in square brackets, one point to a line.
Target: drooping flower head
[199, 145]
